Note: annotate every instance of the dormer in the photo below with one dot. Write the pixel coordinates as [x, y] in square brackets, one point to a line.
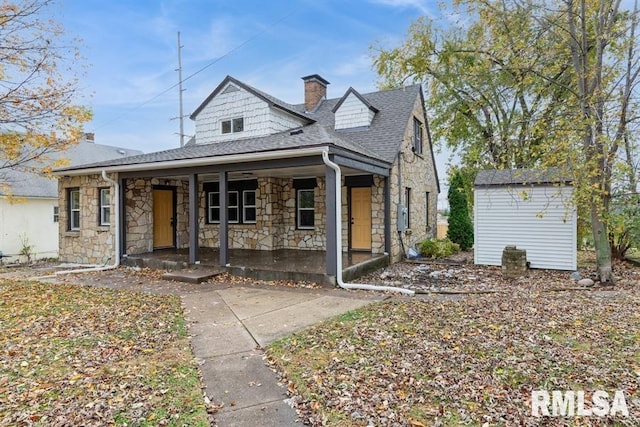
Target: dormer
[353, 111]
[235, 110]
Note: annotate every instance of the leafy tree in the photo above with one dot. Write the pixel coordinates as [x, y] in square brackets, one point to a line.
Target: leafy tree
[460, 227]
[38, 114]
[534, 84]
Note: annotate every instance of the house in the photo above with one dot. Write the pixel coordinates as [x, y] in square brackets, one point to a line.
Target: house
[530, 209]
[261, 175]
[29, 222]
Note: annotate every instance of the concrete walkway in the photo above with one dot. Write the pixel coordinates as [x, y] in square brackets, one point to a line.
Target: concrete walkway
[230, 326]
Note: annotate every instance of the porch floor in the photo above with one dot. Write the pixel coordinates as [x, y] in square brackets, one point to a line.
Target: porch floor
[280, 264]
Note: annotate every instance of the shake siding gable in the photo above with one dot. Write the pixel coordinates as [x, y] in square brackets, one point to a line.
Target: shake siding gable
[259, 118]
[353, 113]
[539, 219]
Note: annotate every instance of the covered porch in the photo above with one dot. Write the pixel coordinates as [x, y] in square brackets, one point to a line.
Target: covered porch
[279, 264]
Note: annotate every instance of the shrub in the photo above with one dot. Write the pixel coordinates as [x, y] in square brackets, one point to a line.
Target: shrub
[438, 248]
[460, 227]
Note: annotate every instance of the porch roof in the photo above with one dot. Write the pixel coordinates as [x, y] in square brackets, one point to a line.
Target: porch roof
[299, 142]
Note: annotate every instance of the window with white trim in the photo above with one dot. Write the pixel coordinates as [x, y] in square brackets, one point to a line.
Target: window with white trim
[234, 125]
[232, 207]
[56, 213]
[213, 207]
[249, 206]
[305, 206]
[105, 206]
[73, 202]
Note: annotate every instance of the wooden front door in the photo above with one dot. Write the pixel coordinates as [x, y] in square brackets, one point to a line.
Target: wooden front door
[361, 218]
[163, 221]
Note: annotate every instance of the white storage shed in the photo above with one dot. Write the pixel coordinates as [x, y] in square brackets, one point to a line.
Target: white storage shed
[530, 209]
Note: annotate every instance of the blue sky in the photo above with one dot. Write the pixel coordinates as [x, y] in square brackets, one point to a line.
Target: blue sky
[131, 49]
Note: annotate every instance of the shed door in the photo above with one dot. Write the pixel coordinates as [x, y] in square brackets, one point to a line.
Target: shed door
[361, 218]
[163, 222]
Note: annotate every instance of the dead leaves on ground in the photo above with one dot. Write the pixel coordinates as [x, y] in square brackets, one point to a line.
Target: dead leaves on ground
[465, 362]
[74, 355]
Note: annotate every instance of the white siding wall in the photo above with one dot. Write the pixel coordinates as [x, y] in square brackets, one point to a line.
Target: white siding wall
[353, 113]
[259, 118]
[539, 219]
[33, 219]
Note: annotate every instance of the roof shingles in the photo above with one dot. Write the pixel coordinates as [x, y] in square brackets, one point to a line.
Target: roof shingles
[380, 141]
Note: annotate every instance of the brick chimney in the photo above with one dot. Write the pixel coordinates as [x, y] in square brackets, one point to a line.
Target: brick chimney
[89, 136]
[315, 90]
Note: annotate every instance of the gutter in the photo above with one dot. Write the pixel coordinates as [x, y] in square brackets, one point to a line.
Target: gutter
[338, 192]
[199, 161]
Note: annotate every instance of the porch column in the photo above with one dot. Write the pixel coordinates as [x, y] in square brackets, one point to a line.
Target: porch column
[224, 221]
[332, 234]
[123, 217]
[387, 215]
[194, 223]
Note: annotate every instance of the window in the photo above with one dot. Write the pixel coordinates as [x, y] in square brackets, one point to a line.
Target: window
[105, 207]
[417, 136]
[306, 209]
[241, 202]
[213, 206]
[407, 198]
[233, 125]
[232, 206]
[56, 214]
[249, 206]
[73, 198]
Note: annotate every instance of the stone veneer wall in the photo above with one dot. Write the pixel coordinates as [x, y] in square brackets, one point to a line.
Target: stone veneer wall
[275, 227]
[93, 243]
[419, 175]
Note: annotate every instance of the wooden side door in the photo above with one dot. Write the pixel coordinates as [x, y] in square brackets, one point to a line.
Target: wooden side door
[361, 218]
[163, 221]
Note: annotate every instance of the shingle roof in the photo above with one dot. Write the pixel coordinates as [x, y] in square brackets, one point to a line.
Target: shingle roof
[26, 184]
[380, 141]
[310, 136]
[519, 176]
[385, 134]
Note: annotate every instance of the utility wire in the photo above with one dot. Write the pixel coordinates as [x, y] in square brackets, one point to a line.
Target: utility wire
[215, 61]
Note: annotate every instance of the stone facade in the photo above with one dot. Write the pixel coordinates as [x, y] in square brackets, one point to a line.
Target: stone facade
[417, 174]
[92, 243]
[275, 226]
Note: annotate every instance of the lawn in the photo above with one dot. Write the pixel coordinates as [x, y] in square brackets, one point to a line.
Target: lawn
[74, 355]
[465, 361]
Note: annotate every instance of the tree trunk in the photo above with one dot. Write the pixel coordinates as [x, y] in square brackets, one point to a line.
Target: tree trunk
[603, 250]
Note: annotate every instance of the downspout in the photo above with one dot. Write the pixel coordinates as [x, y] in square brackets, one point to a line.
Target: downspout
[338, 192]
[116, 264]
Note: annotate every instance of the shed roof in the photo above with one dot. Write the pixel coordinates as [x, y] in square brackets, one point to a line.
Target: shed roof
[502, 177]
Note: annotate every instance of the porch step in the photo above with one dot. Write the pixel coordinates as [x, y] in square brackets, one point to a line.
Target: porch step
[191, 276]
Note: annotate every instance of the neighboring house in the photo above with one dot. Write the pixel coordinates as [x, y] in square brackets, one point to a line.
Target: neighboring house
[30, 220]
[530, 209]
[273, 161]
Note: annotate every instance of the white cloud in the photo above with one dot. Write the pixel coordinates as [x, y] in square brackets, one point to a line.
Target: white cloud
[424, 6]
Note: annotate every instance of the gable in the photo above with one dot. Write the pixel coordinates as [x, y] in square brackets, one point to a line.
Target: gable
[237, 111]
[353, 111]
